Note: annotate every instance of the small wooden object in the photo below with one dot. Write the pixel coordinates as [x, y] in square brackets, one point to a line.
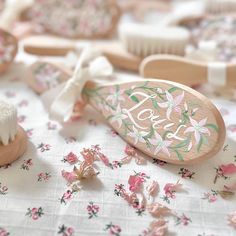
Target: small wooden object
[83, 19]
[8, 50]
[165, 120]
[185, 71]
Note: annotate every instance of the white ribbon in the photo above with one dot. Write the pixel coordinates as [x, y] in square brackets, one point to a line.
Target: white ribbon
[89, 66]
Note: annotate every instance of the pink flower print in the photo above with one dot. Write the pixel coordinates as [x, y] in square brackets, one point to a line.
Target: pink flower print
[113, 229]
[35, 213]
[71, 158]
[92, 210]
[198, 129]
[3, 232]
[105, 160]
[232, 128]
[116, 164]
[160, 144]
[66, 231]
[135, 183]
[3, 189]
[10, 94]
[23, 103]
[211, 197]
[44, 176]
[131, 152]
[183, 219]
[172, 104]
[29, 132]
[70, 177]
[232, 219]
[186, 174]
[158, 210]
[21, 118]
[170, 190]
[112, 132]
[51, 126]
[26, 164]
[119, 190]
[43, 147]
[224, 170]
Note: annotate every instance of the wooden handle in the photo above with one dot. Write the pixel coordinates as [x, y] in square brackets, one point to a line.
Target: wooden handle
[182, 70]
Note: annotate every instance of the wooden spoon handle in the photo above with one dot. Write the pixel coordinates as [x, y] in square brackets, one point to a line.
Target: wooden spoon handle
[188, 72]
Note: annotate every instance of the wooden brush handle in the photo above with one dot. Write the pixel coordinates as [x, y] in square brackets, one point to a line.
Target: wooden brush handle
[188, 72]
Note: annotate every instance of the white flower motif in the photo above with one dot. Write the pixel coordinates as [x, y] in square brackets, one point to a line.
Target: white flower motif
[118, 116]
[115, 96]
[161, 145]
[172, 103]
[138, 135]
[198, 129]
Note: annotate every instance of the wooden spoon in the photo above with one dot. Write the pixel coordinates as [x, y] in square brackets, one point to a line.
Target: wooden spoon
[8, 50]
[188, 72]
[165, 120]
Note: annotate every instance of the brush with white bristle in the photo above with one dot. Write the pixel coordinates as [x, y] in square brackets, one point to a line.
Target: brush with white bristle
[220, 6]
[144, 40]
[8, 122]
[13, 139]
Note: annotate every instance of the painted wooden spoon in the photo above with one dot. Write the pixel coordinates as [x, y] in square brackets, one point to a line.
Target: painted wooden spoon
[165, 120]
[8, 50]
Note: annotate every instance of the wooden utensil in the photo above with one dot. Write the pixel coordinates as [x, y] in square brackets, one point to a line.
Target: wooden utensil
[8, 50]
[83, 19]
[188, 72]
[52, 46]
[165, 120]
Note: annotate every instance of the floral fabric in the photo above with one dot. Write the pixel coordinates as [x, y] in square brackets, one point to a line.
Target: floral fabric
[37, 197]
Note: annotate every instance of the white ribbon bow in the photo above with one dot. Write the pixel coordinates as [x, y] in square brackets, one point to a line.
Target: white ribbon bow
[90, 66]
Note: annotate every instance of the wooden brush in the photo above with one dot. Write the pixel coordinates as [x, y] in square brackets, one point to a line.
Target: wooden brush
[83, 19]
[13, 139]
[188, 72]
[165, 120]
[160, 118]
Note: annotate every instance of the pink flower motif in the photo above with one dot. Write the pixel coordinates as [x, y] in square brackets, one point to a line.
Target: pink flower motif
[211, 197]
[69, 176]
[105, 160]
[67, 195]
[158, 210]
[70, 230]
[135, 183]
[232, 219]
[171, 188]
[172, 104]
[3, 232]
[228, 169]
[71, 158]
[198, 129]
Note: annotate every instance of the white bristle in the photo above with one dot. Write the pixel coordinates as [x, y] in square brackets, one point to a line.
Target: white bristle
[8, 122]
[220, 6]
[144, 40]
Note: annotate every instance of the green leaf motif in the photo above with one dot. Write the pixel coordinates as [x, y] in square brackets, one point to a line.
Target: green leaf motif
[182, 144]
[200, 144]
[134, 98]
[180, 157]
[173, 89]
[213, 126]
